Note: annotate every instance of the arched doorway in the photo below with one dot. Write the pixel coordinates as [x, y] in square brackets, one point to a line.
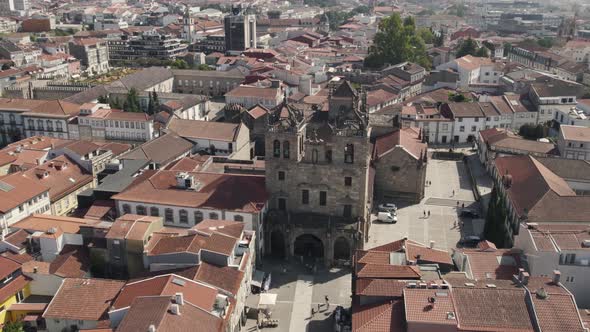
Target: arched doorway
[277, 244]
[307, 245]
[341, 249]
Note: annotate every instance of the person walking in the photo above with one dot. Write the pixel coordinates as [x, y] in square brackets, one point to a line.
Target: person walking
[424, 212]
[428, 213]
[327, 302]
[312, 312]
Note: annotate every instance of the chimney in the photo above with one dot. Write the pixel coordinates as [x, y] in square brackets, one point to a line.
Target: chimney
[520, 272]
[556, 276]
[152, 328]
[432, 244]
[34, 269]
[275, 84]
[179, 299]
[175, 309]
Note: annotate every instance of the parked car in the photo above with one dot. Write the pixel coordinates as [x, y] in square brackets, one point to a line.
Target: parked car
[387, 217]
[470, 241]
[387, 207]
[468, 213]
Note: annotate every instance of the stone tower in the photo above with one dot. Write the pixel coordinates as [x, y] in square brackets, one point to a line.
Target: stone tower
[319, 178]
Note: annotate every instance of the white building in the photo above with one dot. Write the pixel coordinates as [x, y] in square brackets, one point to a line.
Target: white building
[21, 197]
[573, 142]
[186, 198]
[562, 247]
[474, 70]
[99, 121]
[250, 96]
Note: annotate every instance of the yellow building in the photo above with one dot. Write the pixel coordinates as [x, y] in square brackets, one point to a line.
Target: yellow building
[14, 287]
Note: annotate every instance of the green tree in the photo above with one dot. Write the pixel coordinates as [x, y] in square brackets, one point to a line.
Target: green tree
[203, 66]
[546, 42]
[467, 47]
[153, 103]
[397, 41]
[439, 40]
[13, 327]
[132, 101]
[179, 64]
[458, 97]
[103, 100]
[495, 229]
[362, 9]
[426, 35]
[482, 52]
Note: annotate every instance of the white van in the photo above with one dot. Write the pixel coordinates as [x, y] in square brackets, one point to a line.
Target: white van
[387, 217]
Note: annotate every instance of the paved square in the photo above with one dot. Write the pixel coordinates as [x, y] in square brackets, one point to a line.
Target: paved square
[300, 289]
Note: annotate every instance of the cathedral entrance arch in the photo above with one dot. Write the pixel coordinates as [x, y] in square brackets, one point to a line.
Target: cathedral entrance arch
[308, 245]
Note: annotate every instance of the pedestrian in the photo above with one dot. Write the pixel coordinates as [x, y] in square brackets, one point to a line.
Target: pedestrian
[453, 192]
[424, 212]
[327, 301]
[312, 312]
[457, 204]
[463, 205]
[428, 213]
[319, 306]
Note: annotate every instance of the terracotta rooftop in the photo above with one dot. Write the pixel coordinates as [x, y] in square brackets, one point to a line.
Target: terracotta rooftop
[253, 92]
[217, 191]
[93, 297]
[499, 139]
[196, 129]
[379, 317]
[418, 309]
[146, 311]
[380, 287]
[194, 243]
[413, 249]
[492, 264]
[62, 175]
[45, 222]
[161, 150]
[196, 293]
[405, 138]
[16, 189]
[559, 237]
[575, 133]
[131, 227]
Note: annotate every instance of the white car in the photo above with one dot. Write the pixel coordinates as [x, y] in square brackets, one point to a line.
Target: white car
[387, 217]
[387, 207]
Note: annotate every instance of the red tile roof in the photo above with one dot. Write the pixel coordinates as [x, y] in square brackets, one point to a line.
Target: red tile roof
[194, 292]
[491, 309]
[92, 298]
[498, 264]
[218, 191]
[387, 271]
[380, 287]
[418, 309]
[406, 138]
[23, 190]
[380, 317]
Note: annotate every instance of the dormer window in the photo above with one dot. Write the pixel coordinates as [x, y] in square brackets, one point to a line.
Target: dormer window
[276, 147]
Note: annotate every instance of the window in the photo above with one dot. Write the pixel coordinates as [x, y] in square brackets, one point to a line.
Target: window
[126, 124]
[154, 211]
[347, 211]
[473, 128]
[213, 216]
[126, 208]
[141, 210]
[49, 125]
[314, 156]
[183, 216]
[276, 147]
[462, 128]
[445, 126]
[460, 119]
[305, 196]
[59, 126]
[39, 124]
[476, 119]
[31, 124]
[286, 149]
[565, 259]
[116, 124]
[329, 156]
[230, 147]
[198, 216]
[323, 198]
[281, 176]
[237, 217]
[168, 215]
[349, 154]
[348, 181]
[282, 202]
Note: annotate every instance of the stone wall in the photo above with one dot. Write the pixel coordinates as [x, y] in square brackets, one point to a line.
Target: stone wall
[399, 175]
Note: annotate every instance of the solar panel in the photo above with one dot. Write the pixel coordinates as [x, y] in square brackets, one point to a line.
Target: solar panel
[179, 282]
[5, 186]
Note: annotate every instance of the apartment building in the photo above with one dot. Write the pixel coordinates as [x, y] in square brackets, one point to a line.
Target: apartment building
[146, 45]
[216, 138]
[552, 96]
[209, 83]
[65, 180]
[100, 122]
[93, 54]
[473, 70]
[574, 142]
[21, 197]
[250, 96]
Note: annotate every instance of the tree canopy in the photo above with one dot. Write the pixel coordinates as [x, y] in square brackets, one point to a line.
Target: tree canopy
[397, 41]
[470, 47]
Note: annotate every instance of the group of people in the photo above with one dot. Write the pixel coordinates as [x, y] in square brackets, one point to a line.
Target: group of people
[313, 311]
